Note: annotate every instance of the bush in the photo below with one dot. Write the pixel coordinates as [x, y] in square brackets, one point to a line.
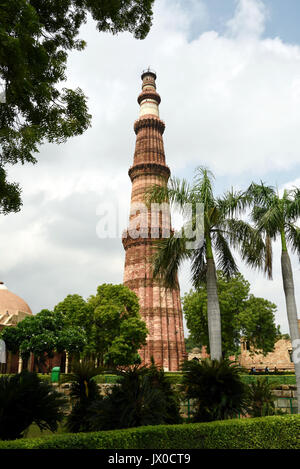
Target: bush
[171, 377]
[84, 391]
[142, 396]
[216, 389]
[261, 400]
[26, 399]
[262, 433]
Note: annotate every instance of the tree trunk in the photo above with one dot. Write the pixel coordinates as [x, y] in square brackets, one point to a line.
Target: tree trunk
[213, 312]
[291, 308]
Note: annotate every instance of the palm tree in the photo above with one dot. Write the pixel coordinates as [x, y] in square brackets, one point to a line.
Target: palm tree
[220, 232]
[276, 217]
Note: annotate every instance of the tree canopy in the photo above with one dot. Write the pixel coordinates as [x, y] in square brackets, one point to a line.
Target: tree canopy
[35, 39]
[107, 328]
[242, 316]
[42, 335]
[111, 321]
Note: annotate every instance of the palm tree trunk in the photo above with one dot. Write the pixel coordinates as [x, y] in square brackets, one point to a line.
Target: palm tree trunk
[288, 286]
[213, 312]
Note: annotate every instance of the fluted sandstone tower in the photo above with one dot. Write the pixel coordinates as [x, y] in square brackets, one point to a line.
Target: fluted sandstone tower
[160, 307]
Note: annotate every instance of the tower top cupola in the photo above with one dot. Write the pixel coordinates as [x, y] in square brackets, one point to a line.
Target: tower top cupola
[148, 77]
[149, 99]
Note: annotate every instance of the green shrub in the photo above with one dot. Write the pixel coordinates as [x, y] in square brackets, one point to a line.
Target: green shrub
[176, 378]
[216, 389]
[261, 401]
[26, 399]
[142, 396]
[84, 391]
[171, 377]
[261, 433]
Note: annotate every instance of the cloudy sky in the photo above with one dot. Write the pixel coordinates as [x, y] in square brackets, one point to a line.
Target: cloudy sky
[228, 72]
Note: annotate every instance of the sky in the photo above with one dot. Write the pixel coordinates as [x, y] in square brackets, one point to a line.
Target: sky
[228, 73]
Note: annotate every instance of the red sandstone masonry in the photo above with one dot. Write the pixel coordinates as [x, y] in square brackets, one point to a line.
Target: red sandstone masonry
[159, 307]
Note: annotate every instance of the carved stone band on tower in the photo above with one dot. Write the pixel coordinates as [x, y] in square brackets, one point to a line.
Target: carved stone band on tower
[159, 307]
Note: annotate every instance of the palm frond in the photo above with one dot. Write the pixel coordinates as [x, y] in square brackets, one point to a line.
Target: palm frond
[170, 252]
[213, 216]
[199, 265]
[203, 187]
[176, 191]
[247, 240]
[293, 237]
[260, 194]
[257, 213]
[293, 207]
[156, 194]
[225, 259]
[233, 203]
[272, 221]
[179, 192]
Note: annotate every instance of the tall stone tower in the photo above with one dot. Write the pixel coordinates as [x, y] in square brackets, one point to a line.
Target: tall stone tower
[159, 307]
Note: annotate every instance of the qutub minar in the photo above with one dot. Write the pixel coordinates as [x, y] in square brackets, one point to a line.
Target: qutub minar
[160, 307]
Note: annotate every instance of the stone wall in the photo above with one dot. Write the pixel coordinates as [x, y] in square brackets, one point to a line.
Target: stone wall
[280, 358]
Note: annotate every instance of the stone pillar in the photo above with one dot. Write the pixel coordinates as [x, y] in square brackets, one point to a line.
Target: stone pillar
[20, 365]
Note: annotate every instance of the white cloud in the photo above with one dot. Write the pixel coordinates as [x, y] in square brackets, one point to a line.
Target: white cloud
[249, 19]
[290, 185]
[230, 101]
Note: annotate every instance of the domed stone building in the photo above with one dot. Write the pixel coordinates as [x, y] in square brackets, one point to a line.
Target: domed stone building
[13, 309]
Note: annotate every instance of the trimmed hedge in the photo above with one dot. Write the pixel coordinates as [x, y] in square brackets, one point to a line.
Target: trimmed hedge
[175, 378]
[261, 433]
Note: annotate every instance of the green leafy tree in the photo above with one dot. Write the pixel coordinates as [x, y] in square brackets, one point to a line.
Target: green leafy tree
[42, 335]
[26, 399]
[276, 217]
[107, 328]
[221, 232]
[10, 194]
[191, 343]
[75, 311]
[216, 389]
[111, 321]
[243, 316]
[36, 37]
